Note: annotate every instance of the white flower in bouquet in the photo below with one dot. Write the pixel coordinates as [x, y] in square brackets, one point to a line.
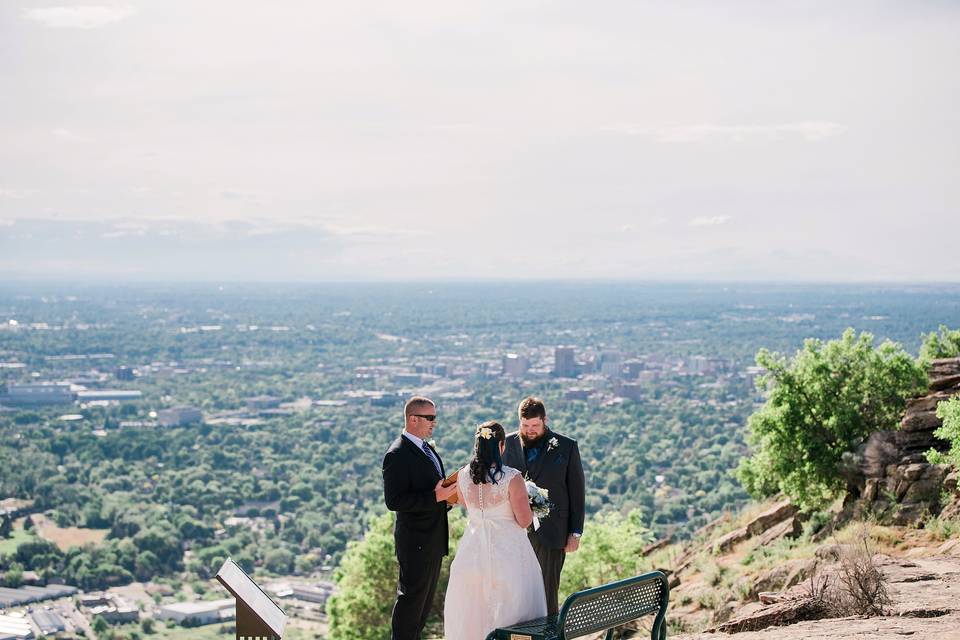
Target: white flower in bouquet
[539, 500]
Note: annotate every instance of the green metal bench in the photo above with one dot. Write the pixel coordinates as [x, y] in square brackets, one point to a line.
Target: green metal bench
[600, 609]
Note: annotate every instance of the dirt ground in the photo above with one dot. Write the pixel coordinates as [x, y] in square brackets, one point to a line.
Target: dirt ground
[65, 537]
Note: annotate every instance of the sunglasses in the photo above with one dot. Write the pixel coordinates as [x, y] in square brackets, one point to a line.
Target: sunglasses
[431, 418]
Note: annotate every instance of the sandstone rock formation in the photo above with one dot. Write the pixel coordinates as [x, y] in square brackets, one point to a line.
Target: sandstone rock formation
[889, 476]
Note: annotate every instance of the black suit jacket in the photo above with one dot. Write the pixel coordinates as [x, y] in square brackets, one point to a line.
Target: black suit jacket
[558, 470]
[409, 478]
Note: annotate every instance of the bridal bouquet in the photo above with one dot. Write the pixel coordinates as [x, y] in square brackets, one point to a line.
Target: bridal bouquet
[539, 502]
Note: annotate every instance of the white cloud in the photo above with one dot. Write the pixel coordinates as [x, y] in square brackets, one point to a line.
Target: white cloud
[72, 136]
[376, 232]
[81, 17]
[15, 194]
[709, 221]
[242, 194]
[809, 130]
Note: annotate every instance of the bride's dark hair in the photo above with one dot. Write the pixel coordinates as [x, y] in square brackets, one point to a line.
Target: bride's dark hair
[486, 465]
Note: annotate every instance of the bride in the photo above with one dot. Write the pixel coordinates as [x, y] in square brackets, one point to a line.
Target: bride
[495, 578]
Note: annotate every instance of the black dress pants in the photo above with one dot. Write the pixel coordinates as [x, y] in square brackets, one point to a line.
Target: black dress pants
[419, 573]
[551, 563]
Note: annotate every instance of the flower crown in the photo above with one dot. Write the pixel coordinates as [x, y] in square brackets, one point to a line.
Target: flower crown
[484, 432]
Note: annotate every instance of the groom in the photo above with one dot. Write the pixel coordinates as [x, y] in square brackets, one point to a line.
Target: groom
[412, 486]
[552, 461]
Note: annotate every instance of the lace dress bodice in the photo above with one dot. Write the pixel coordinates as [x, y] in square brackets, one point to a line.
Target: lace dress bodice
[487, 500]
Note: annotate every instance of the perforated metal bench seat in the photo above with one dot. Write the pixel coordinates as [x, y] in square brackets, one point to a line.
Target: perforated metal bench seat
[600, 609]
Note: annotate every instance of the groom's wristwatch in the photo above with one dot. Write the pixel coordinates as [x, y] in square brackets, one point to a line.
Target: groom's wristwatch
[577, 535]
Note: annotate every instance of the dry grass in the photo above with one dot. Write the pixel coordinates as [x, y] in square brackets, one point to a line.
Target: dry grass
[66, 537]
[861, 587]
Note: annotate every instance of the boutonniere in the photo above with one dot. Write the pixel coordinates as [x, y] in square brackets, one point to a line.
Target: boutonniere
[552, 443]
[432, 443]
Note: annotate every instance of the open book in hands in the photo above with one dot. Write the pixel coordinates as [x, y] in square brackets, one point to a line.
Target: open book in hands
[449, 480]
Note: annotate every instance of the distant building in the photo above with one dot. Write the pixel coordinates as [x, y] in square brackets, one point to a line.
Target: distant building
[38, 394]
[699, 365]
[515, 365]
[632, 368]
[199, 613]
[630, 390]
[124, 373]
[611, 363]
[408, 379]
[318, 593]
[179, 416]
[564, 362]
[110, 607]
[27, 595]
[577, 393]
[386, 400]
[95, 599]
[48, 621]
[262, 402]
[116, 613]
[119, 395]
[15, 626]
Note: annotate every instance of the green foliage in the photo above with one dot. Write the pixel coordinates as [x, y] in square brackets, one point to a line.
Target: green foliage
[949, 412]
[612, 549]
[100, 625]
[367, 582]
[945, 344]
[366, 585]
[821, 404]
[13, 578]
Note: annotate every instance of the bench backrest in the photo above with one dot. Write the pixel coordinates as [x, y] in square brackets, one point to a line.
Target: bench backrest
[614, 604]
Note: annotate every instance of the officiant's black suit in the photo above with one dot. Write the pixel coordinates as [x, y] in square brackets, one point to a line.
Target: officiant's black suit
[420, 533]
[558, 470]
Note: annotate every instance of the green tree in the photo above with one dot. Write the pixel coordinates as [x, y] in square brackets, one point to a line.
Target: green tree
[279, 561]
[100, 626]
[6, 527]
[612, 549]
[13, 578]
[949, 412]
[945, 344]
[366, 585]
[367, 582]
[821, 404]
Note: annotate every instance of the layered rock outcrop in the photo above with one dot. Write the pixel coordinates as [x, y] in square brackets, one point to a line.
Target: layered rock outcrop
[889, 475]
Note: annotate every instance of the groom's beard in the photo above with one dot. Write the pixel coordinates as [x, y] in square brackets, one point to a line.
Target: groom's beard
[532, 442]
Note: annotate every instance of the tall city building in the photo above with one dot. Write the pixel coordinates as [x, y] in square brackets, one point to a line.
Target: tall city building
[564, 362]
[515, 365]
[611, 363]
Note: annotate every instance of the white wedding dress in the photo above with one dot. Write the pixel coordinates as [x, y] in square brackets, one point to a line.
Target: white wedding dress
[495, 579]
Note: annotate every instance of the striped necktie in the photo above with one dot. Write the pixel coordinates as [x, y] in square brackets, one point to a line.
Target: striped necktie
[433, 458]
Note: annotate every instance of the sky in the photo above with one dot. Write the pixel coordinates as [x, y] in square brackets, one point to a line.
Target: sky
[446, 140]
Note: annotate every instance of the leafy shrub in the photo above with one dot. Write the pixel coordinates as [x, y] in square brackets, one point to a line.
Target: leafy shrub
[821, 404]
[945, 344]
[949, 412]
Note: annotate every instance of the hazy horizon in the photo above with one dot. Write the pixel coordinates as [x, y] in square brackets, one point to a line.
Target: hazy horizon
[529, 140]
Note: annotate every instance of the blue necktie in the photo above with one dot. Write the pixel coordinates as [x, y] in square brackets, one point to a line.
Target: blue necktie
[532, 454]
[433, 458]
